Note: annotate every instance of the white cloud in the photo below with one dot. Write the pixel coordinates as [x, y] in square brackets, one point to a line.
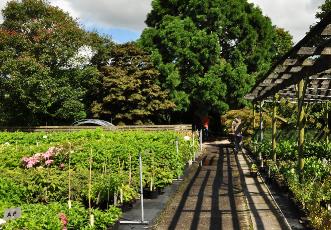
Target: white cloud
[66, 6]
[128, 14]
[295, 16]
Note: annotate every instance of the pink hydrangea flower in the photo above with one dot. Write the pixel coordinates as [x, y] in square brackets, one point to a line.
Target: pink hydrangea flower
[61, 166]
[64, 220]
[48, 162]
[29, 165]
[37, 158]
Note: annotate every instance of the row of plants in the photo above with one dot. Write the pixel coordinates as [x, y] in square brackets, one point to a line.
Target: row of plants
[93, 172]
[309, 189]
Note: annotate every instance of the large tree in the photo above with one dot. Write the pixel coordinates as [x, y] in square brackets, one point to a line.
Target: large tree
[42, 77]
[209, 52]
[129, 90]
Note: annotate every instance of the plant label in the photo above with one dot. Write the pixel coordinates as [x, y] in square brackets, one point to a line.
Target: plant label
[12, 213]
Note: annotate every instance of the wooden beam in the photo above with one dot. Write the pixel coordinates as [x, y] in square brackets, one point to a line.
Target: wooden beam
[277, 116]
[307, 51]
[327, 31]
[326, 51]
[308, 39]
[290, 62]
[321, 65]
[308, 62]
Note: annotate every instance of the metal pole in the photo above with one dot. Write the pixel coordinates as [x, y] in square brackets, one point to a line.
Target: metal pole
[142, 221]
[274, 130]
[301, 115]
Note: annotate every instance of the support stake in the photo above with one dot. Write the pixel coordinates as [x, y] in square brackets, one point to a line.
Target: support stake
[142, 221]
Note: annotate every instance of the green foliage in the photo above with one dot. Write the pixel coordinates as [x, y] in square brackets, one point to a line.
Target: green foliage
[246, 116]
[311, 187]
[42, 190]
[42, 79]
[287, 150]
[210, 52]
[324, 9]
[315, 169]
[283, 42]
[115, 164]
[39, 216]
[130, 92]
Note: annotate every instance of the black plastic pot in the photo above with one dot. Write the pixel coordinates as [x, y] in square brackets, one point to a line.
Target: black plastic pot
[148, 194]
[115, 226]
[160, 191]
[126, 206]
[253, 173]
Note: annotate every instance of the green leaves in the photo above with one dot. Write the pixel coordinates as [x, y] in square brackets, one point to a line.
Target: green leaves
[38, 43]
[210, 51]
[130, 89]
[42, 192]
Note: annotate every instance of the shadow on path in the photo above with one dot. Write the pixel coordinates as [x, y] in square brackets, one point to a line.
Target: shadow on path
[212, 186]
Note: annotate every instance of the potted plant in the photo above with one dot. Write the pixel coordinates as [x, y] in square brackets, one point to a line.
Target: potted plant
[150, 191]
[253, 170]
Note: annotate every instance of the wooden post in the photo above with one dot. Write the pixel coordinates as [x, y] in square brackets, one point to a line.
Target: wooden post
[261, 123]
[261, 134]
[327, 122]
[254, 125]
[301, 115]
[274, 129]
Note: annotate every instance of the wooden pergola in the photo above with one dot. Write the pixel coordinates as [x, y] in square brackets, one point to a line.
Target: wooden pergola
[302, 75]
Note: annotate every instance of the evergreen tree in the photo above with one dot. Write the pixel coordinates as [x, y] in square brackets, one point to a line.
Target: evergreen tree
[209, 52]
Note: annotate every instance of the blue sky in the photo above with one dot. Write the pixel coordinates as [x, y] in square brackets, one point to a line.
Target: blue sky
[124, 20]
[119, 35]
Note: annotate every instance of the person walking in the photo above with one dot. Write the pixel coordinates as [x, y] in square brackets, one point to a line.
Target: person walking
[236, 130]
[205, 122]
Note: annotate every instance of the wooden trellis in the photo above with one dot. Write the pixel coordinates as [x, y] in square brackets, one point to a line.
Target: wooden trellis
[302, 75]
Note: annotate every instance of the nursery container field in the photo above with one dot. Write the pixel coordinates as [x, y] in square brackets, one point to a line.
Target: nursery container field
[82, 180]
[309, 189]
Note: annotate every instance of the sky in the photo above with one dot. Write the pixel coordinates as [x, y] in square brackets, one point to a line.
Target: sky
[124, 20]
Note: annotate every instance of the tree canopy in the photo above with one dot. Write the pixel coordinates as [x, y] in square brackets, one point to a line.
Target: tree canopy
[198, 57]
[42, 78]
[210, 52]
[129, 91]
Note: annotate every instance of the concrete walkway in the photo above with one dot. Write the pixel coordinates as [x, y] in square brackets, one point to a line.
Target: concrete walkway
[264, 213]
[221, 195]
